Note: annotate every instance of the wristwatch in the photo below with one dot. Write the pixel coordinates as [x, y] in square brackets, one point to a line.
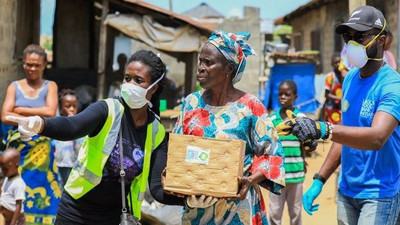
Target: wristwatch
[319, 177]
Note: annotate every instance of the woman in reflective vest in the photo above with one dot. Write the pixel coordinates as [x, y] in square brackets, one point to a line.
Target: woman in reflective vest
[93, 190]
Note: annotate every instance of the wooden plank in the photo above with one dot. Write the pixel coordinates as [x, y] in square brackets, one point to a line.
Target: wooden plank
[190, 72]
[101, 68]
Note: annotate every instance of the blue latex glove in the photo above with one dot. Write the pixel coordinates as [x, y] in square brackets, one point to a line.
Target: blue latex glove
[311, 194]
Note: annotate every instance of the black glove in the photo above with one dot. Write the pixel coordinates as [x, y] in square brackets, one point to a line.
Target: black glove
[303, 128]
[306, 128]
[310, 145]
[286, 127]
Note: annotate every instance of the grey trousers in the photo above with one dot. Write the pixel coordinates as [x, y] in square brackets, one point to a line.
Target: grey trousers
[292, 194]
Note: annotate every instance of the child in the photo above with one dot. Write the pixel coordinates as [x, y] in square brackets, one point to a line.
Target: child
[333, 92]
[66, 152]
[294, 161]
[13, 188]
[387, 55]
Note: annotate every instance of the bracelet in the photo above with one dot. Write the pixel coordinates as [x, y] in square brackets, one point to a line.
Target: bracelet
[323, 129]
[330, 125]
[329, 131]
[319, 177]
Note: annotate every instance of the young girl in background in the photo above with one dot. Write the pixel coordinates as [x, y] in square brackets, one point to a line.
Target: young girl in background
[66, 152]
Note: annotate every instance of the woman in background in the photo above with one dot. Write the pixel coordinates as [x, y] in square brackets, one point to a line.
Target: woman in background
[30, 96]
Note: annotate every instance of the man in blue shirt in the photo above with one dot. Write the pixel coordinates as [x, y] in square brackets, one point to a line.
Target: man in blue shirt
[370, 156]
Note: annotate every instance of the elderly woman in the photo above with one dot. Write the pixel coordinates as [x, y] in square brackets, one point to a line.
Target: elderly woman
[223, 111]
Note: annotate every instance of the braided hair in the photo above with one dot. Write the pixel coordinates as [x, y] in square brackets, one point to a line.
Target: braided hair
[157, 69]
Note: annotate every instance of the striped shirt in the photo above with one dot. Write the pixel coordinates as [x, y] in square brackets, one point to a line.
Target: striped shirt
[294, 162]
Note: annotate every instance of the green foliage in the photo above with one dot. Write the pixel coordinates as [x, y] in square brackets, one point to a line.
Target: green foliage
[281, 30]
[47, 42]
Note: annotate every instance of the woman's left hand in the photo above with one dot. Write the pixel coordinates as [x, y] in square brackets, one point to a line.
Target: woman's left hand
[244, 185]
[246, 182]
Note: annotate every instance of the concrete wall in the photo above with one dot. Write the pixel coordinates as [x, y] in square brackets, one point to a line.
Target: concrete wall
[249, 23]
[8, 61]
[324, 19]
[327, 16]
[390, 9]
[176, 68]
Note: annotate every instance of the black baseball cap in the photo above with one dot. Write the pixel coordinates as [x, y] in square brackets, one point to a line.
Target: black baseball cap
[362, 19]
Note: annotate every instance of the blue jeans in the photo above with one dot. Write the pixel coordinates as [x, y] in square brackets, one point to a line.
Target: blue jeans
[380, 211]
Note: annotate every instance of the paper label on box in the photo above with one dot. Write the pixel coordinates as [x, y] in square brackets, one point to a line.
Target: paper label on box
[198, 155]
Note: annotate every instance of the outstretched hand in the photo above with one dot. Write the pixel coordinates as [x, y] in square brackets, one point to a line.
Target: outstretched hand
[305, 129]
[286, 127]
[27, 126]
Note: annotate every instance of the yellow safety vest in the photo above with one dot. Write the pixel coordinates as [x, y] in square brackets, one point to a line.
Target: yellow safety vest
[88, 170]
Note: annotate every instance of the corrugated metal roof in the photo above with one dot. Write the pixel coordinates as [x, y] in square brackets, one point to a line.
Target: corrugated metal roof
[302, 9]
[208, 27]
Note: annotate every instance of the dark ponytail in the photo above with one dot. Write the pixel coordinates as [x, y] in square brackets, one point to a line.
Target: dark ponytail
[157, 69]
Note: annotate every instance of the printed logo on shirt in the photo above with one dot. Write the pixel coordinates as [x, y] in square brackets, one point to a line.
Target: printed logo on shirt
[345, 105]
[367, 109]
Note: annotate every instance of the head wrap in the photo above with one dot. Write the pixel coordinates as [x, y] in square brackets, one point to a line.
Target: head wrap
[234, 49]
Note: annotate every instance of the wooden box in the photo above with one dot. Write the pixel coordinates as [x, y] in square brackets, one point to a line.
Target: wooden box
[206, 166]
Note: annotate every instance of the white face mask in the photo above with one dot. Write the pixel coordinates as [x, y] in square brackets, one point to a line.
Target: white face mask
[135, 96]
[357, 54]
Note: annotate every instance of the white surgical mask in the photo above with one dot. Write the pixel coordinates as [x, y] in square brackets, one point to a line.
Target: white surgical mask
[135, 96]
[357, 54]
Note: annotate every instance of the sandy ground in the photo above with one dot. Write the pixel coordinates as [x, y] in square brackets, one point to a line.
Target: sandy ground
[326, 215]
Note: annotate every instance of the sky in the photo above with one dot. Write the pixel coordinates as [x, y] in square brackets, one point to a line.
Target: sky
[269, 9]
[47, 16]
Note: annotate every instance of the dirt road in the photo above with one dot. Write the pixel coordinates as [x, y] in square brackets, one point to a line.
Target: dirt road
[326, 215]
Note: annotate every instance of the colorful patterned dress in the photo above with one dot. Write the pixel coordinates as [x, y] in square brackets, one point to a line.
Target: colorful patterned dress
[40, 173]
[333, 112]
[37, 166]
[245, 119]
